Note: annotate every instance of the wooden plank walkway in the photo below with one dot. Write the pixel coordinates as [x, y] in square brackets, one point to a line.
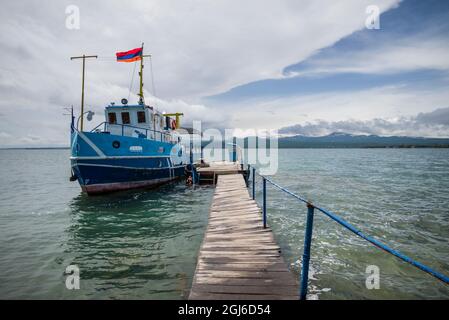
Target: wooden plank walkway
[238, 258]
[221, 167]
[210, 173]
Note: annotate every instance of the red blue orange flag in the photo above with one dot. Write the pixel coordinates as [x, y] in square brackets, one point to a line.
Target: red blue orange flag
[129, 56]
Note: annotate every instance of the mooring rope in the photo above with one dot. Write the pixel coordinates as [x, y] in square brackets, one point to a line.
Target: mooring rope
[132, 80]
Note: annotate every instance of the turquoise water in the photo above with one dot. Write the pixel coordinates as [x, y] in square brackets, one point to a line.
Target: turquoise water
[143, 244]
[128, 245]
[399, 196]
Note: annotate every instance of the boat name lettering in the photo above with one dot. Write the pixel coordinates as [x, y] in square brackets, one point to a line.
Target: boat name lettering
[136, 149]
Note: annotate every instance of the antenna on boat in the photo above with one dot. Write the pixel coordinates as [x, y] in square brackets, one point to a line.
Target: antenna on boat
[140, 94]
[84, 57]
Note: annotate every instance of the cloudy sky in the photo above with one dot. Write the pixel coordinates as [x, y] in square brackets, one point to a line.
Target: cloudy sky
[309, 65]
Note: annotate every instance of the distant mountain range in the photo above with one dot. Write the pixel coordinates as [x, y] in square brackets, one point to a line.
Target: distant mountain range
[346, 140]
[333, 140]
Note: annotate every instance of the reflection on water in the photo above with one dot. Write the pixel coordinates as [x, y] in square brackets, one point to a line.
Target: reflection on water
[142, 240]
[139, 244]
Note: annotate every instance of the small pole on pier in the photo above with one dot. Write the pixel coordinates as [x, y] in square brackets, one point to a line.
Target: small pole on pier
[306, 254]
[191, 150]
[191, 160]
[202, 151]
[254, 183]
[264, 203]
[234, 149]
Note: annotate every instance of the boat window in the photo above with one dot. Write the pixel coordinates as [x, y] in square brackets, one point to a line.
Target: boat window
[141, 117]
[112, 117]
[125, 118]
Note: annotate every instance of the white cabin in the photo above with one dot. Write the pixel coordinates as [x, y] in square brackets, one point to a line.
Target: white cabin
[138, 121]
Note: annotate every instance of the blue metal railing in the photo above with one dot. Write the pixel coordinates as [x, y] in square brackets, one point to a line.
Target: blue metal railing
[309, 228]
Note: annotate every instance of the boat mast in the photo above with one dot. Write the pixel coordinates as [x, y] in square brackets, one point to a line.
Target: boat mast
[82, 85]
[140, 94]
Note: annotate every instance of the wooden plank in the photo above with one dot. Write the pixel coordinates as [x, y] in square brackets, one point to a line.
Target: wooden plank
[214, 296]
[239, 246]
[250, 274]
[248, 281]
[242, 289]
[238, 258]
[241, 267]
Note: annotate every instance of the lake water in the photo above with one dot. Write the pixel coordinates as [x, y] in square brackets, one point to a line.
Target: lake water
[143, 244]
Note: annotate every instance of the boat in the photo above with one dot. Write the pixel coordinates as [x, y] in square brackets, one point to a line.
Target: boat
[136, 146]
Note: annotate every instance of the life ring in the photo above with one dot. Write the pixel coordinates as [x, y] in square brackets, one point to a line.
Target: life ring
[173, 124]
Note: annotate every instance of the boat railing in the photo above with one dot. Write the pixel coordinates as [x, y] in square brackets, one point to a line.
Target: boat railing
[309, 228]
[156, 133]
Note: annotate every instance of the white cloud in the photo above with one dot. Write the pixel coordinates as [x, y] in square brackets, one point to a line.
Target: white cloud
[382, 102]
[430, 124]
[400, 55]
[193, 112]
[199, 47]
[4, 135]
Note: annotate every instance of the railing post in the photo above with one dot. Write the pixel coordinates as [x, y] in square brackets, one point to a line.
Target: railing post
[234, 149]
[306, 254]
[264, 203]
[123, 129]
[191, 150]
[254, 183]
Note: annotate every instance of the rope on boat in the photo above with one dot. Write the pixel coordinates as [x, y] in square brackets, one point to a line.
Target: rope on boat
[152, 81]
[132, 80]
[107, 58]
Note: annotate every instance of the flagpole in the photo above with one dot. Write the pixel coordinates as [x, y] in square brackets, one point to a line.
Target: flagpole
[141, 78]
[82, 84]
[140, 94]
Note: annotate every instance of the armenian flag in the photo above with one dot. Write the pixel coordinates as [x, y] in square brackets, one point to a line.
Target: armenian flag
[129, 56]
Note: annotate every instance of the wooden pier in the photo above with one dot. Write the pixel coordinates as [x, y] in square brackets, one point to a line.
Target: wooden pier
[239, 259]
[209, 174]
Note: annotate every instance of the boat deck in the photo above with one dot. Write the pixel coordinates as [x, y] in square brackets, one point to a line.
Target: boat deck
[239, 259]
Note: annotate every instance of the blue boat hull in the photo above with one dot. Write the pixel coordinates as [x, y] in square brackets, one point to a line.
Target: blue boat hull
[100, 168]
[100, 176]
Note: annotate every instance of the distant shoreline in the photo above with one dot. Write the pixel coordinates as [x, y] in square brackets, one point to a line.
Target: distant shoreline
[283, 147]
[371, 147]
